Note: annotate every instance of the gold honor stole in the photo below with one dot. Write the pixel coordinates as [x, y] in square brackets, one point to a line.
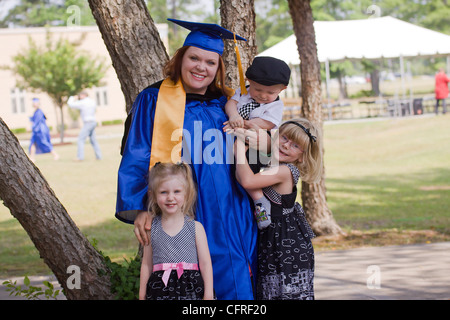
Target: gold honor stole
[168, 123]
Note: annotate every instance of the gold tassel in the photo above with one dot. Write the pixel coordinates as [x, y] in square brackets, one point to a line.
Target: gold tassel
[241, 72]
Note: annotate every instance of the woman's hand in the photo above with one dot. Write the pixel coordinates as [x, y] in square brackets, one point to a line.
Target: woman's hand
[142, 225]
[252, 134]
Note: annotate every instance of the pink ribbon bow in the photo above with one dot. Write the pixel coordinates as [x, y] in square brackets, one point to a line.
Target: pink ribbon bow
[168, 267]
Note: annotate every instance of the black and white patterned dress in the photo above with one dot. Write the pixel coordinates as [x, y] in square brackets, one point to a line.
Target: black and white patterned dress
[177, 249]
[285, 251]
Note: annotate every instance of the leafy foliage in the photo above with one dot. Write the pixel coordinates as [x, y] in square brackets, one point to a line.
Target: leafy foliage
[31, 292]
[124, 278]
[39, 13]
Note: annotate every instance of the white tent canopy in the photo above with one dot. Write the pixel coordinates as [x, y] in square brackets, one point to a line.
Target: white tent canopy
[384, 37]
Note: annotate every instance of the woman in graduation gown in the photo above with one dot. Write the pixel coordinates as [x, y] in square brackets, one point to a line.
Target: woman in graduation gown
[40, 138]
[192, 98]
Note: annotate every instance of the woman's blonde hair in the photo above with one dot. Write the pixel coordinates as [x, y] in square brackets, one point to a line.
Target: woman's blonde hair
[173, 70]
[163, 171]
[309, 138]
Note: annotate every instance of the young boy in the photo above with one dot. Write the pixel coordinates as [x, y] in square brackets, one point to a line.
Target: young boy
[267, 77]
[261, 105]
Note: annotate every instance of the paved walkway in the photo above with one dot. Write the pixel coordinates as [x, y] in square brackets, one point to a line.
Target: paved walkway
[408, 272]
[405, 272]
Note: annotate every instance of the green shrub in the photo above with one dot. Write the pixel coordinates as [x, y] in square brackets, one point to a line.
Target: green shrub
[124, 278]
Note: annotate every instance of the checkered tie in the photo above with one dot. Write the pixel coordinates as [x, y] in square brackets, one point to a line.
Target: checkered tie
[245, 110]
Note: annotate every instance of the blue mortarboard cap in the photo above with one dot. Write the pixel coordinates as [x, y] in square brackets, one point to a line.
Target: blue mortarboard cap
[35, 100]
[207, 36]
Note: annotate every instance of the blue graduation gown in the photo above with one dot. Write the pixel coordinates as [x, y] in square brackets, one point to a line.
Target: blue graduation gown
[40, 136]
[223, 206]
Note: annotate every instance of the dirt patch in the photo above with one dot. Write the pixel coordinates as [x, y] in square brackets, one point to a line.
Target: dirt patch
[434, 188]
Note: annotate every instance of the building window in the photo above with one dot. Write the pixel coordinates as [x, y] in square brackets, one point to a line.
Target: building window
[18, 101]
[101, 96]
[105, 97]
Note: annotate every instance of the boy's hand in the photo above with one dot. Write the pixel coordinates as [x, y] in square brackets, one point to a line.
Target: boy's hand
[236, 121]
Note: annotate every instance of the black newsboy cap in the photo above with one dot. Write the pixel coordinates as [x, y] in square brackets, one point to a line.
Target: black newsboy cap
[269, 71]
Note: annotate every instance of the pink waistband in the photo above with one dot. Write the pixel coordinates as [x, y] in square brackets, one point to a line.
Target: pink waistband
[168, 267]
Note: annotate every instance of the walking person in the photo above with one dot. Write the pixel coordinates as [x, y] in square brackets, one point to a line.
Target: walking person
[87, 107]
[441, 90]
[40, 137]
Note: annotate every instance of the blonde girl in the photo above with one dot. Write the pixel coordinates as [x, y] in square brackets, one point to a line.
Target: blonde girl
[177, 263]
[285, 251]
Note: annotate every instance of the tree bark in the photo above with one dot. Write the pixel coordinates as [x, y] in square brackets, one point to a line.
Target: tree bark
[375, 81]
[130, 35]
[61, 129]
[138, 56]
[238, 16]
[60, 243]
[313, 195]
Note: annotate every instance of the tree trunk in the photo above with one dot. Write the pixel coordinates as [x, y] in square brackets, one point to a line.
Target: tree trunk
[60, 243]
[343, 93]
[375, 81]
[56, 117]
[61, 128]
[373, 68]
[313, 195]
[130, 35]
[238, 17]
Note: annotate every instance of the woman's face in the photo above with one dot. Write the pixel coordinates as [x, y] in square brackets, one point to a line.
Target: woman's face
[198, 69]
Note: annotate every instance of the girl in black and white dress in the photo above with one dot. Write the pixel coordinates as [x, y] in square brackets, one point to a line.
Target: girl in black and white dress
[285, 251]
[177, 264]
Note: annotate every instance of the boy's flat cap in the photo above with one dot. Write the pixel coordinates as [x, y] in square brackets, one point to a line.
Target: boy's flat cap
[269, 71]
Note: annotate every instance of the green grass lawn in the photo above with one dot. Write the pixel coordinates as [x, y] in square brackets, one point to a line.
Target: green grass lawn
[386, 179]
[390, 174]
